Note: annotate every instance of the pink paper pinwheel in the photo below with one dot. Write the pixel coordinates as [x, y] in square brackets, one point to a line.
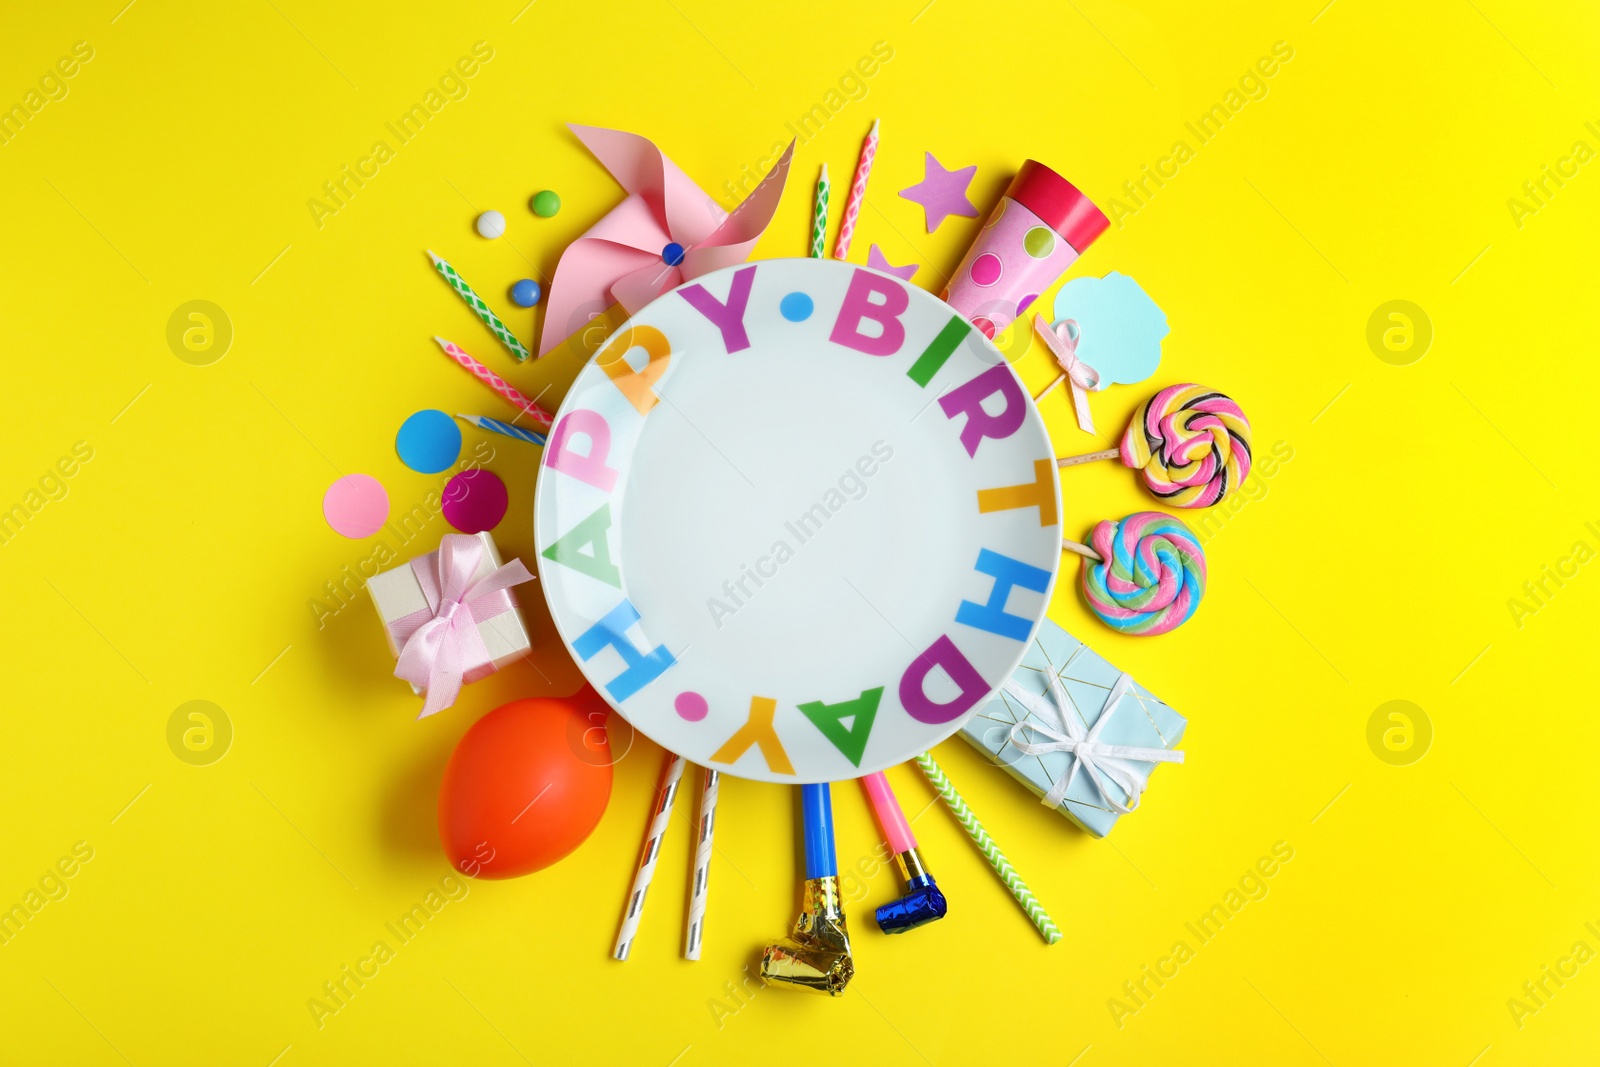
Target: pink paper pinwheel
[668, 231]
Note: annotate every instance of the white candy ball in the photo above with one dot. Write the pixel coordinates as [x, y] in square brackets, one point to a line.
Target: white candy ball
[491, 224]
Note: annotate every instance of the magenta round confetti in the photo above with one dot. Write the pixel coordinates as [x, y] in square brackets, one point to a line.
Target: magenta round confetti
[475, 501]
[357, 506]
[691, 706]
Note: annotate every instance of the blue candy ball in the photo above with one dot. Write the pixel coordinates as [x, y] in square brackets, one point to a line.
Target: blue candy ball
[672, 255]
[525, 294]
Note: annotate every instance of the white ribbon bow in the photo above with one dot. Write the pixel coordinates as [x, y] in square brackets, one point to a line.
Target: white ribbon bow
[1062, 341]
[1065, 731]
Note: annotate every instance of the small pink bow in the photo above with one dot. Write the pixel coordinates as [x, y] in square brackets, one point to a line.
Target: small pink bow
[1062, 340]
[666, 232]
[440, 643]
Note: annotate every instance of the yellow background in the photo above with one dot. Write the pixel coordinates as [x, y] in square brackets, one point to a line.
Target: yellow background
[1374, 565]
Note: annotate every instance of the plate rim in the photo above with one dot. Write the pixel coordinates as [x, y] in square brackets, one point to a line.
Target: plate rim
[951, 728]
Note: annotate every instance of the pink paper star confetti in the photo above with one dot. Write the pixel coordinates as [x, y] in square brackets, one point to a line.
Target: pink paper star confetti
[876, 260]
[942, 192]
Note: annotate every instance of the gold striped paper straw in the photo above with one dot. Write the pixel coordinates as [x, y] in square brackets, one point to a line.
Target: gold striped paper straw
[660, 815]
[694, 929]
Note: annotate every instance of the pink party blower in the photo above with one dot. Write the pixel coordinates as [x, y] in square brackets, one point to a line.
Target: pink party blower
[922, 902]
[1038, 229]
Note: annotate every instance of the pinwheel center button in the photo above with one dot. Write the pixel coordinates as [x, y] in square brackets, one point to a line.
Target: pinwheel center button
[672, 254]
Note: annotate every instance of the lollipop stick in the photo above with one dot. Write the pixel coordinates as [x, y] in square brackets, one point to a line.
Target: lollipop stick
[696, 928]
[1088, 457]
[1040, 394]
[991, 852]
[1082, 550]
[660, 815]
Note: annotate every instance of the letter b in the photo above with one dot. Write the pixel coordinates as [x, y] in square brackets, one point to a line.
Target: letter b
[858, 307]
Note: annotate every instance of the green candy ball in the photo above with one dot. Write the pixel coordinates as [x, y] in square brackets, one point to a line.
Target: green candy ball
[545, 203]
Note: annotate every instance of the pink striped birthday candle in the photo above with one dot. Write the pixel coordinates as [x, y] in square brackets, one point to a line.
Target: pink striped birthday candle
[539, 415]
[858, 193]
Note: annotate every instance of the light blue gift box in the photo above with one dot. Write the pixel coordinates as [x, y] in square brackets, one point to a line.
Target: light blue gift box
[1138, 720]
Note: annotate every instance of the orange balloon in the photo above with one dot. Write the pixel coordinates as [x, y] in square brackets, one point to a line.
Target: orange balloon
[526, 785]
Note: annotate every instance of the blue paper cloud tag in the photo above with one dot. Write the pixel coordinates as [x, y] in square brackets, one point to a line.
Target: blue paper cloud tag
[1119, 327]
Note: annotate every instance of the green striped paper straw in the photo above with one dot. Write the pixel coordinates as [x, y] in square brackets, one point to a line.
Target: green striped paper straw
[475, 302]
[819, 221]
[991, 852]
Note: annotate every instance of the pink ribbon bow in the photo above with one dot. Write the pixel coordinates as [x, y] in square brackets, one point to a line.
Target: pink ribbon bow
[624, 258]
[440, 643]
[1062, 340]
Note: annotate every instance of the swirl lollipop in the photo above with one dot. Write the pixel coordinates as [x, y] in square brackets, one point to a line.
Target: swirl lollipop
[1192, 444]
[1144, 575]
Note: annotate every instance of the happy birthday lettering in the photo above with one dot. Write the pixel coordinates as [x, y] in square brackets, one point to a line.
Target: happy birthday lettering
[990, 405]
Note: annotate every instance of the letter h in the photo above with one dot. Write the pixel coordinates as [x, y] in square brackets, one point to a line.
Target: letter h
[1008, 573]
[642, 667]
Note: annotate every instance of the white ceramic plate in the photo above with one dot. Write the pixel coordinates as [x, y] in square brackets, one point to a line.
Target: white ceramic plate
[797, 520]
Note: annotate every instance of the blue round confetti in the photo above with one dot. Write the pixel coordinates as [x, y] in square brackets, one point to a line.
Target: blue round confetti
[428, 441]
[796, 307]
[672, 255]
[525, 294]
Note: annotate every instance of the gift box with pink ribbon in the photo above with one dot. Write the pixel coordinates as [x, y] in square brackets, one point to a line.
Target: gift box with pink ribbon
[450, 617]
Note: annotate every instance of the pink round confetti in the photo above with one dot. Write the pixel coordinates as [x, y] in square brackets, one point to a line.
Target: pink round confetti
[475, 501]
[691, 706]
[356, 506]
[986, 269]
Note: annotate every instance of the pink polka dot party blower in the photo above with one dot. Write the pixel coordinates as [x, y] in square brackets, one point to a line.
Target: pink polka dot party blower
[1038, 229]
